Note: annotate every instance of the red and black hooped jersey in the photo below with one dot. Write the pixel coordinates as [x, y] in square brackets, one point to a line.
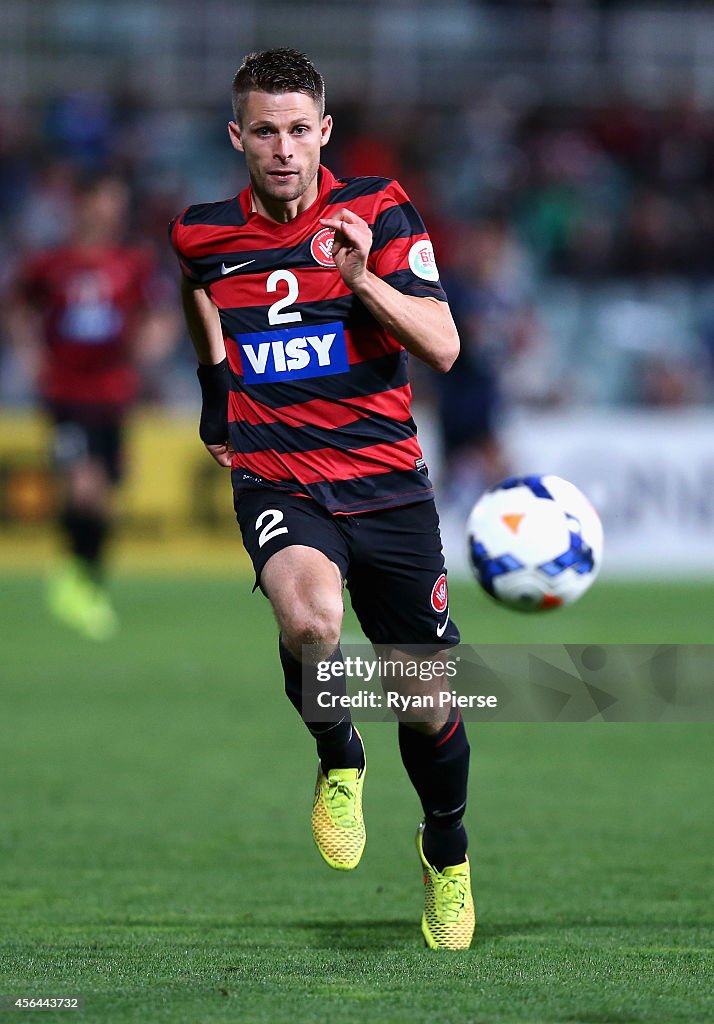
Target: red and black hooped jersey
[321, 399]
[89, 300]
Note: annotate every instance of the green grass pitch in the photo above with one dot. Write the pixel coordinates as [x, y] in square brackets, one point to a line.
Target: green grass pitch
[155, 854]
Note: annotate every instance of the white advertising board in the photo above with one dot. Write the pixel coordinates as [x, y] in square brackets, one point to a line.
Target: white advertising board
[650, 475]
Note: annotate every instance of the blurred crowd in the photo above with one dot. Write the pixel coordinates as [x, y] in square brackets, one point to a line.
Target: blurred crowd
[576, 245]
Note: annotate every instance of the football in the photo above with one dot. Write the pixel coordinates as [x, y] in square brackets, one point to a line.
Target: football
[535, 542]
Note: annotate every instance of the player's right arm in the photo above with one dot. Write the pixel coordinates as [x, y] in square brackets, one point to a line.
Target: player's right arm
[204, 328]
[24, 327]
[22, 320]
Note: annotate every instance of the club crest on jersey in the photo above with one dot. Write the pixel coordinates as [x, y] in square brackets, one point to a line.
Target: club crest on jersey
[321, 247]
[293, 353]
[422, 261]
[440, 595]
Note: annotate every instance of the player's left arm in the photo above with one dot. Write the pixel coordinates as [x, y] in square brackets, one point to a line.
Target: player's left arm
[423, 325]
[156, 329]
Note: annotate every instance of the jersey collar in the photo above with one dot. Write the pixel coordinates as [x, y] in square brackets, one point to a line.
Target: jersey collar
[326, 182]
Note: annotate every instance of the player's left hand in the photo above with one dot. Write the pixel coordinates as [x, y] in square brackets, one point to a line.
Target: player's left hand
[350, 249]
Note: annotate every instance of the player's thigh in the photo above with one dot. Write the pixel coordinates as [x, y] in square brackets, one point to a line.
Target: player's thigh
[87, 456]
[299, 557]
[305, 590]
[398, 583]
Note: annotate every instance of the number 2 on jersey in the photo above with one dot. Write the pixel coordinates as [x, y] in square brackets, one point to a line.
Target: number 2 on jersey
[274, 315]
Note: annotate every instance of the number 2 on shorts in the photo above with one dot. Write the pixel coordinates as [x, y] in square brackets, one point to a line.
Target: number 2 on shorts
[271, 528]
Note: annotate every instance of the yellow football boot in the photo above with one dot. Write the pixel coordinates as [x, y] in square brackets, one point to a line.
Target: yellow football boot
[337, 821]
[78, 602]
[449, 917]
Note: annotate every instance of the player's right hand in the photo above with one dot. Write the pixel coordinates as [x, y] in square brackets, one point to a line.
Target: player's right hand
[351, 245]
[222, 453]
[215, 381]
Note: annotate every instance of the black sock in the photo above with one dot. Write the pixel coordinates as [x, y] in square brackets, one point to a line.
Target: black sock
[438, 766]
[338, 745]
[86, 531]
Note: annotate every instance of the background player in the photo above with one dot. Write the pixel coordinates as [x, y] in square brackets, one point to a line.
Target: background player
[329, 482]
[78, 316]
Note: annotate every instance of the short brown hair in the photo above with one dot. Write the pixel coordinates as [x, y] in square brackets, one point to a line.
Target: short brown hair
[277, 71]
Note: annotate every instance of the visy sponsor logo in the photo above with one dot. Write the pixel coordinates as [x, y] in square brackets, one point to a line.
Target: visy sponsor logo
[293, 353]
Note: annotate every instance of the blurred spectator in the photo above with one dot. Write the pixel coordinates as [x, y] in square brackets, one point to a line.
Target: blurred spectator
[609, 195]
[43, 216]
[665, 382]
[79, 128]
[488, 281]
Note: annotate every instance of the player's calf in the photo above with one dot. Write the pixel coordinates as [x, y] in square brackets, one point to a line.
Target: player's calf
[336, 821]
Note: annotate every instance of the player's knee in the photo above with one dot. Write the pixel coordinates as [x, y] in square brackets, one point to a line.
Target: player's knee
[87, 485]
[315, 625]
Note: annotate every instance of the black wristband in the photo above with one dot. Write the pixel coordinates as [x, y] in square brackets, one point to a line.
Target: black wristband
[215, 384]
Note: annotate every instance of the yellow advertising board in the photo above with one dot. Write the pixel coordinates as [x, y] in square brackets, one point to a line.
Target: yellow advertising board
[174, 509]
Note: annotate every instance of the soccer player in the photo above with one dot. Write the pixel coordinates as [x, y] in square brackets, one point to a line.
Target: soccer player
[304, 296]
[77, 314]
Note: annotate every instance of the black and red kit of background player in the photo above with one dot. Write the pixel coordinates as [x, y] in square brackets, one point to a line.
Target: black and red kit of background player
[319, 409]
[89, 300]
[78, 314]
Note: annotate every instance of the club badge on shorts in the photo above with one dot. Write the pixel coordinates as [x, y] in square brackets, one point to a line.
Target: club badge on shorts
[440, 595]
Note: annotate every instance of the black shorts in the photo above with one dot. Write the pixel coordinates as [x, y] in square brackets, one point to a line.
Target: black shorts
[78, 436]
[391, 561]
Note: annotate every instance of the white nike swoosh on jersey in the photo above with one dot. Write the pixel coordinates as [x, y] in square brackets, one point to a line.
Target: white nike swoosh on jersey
[440, 630]
[229, 270]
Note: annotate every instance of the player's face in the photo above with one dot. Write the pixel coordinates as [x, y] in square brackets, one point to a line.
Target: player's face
[281, 136]
[101, 213]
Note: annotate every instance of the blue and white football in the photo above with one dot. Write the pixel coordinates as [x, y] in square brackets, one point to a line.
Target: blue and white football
[535, 542]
